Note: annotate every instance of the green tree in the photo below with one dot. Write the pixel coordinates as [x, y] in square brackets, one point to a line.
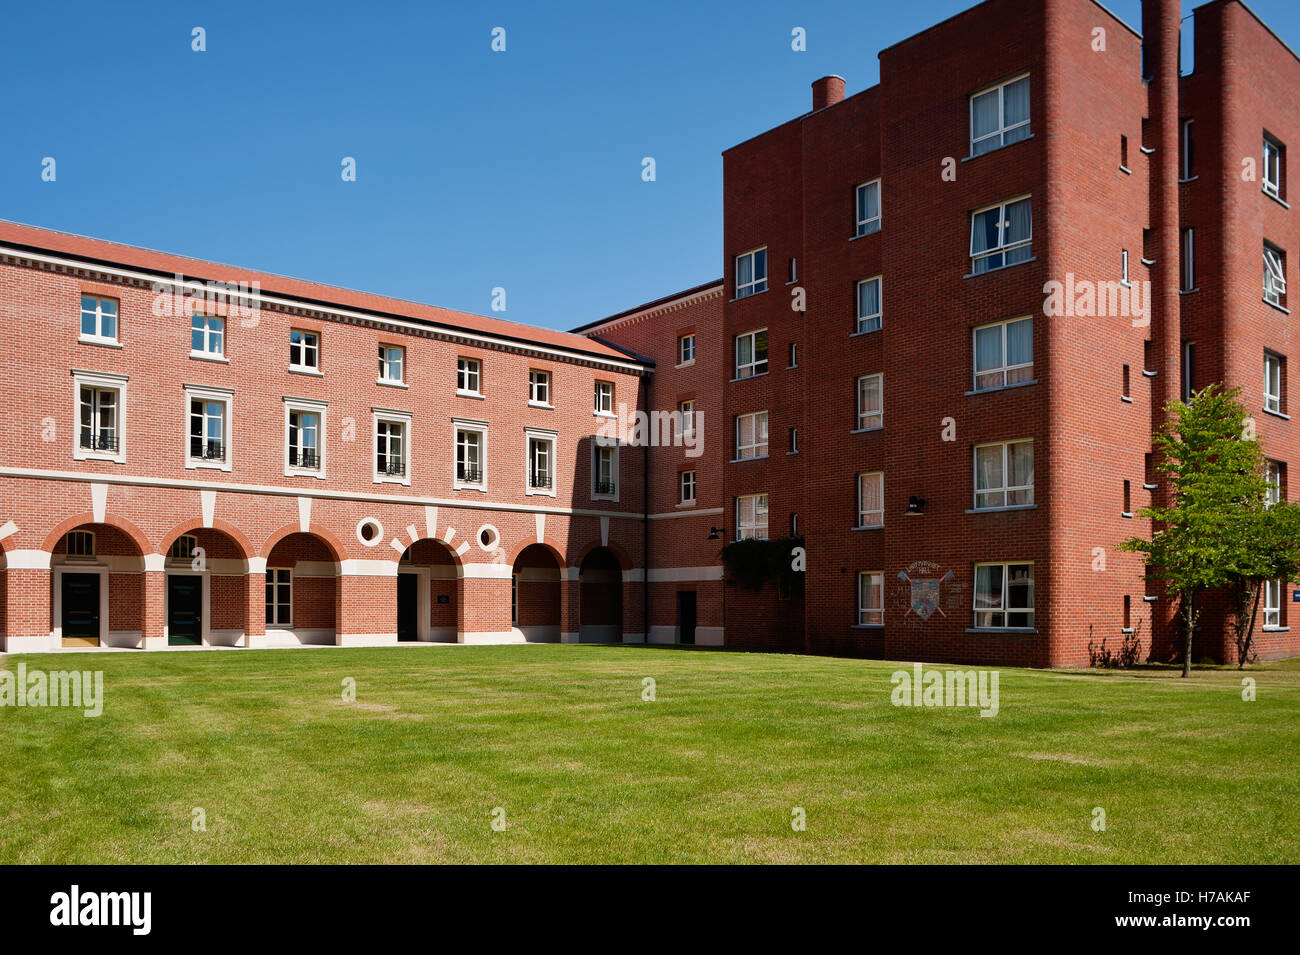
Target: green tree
[1211, 533]
[1273, 547]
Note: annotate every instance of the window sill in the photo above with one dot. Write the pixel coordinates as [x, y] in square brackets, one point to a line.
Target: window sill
[684, 364]
[304, 472]
[1278, 199]
[741, 298]
[204, 356]
[1183, 182]
[1276, 629]
[383, 479]
[997, 149]
[878, 427]
[1125, 170]
[1018, 384]
[863, 235]
[1149, 487]
[867, 626]
[1281, 308]
[604, 414]
[1148, 374]
[998, 510]
[1126, 514]
[105, 342]
[1150, 600]
[538, 492]
[390, 383]
[759, 374]
[868, 527]
[1126, 399]
[869, 331]
[1277, 414]
[1026, 630]
[1189, 291]
[605, 497]
[1126, 630]
[690, 503]
[469, 394]
[540, 404]
[788, 453]
[193, 464]
[1000, 268]
[97, 456]
[461, 486]
[304, 370]
[757, 457]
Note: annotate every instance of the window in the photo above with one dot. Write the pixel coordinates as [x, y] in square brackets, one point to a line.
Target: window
[304, 350]
[1004, 354]
[871, 500]
[868, 205]
[1128, 614]
[98, 319]
[1004, 596]
[207, 335]
[1273, 471]
[1186, 143]
[1274, 382]
[468, 376]
[685, 349]
[792, 271]
[304, 437]
[391, 360]
[100, 405]
[1274, 164]
[871, 599]
[686, 487]
[1123, 152]
[80, 543]
[1127, 509]
[751, 273]
[539, 388]
[279, 597]
[1274, 276]
[871, 409]
[794, 356]
[794, 524]
[870, 305]
[1004, 474]
[470, 448]
[751, 354]
[686, 415]
[1272, 603]
[183, 547]
[208, 429]
[794, 442]
[392, 433]
[1123, 266]
[1124, 382]
[1187, 261]
[751, 517]
[1001, 235]
[541, 463]
[999, 116]
[1189, 366]
[751, 435]
[605, 471]
[605, 397]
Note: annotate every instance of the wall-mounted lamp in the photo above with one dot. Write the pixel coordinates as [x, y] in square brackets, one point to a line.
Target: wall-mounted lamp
[715, 532]
[915, 507]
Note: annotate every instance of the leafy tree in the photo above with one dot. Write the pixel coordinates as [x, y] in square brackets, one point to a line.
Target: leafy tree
[1273, 544]
[1212, 533]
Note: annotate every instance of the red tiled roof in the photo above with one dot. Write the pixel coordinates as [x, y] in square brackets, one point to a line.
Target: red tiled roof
[99, 250]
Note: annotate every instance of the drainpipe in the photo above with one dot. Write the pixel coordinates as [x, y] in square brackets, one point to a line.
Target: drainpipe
[644, 391]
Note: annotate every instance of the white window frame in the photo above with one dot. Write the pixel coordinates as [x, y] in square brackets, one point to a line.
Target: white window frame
[755, 417]
[751, 368]
[1123, 266]
[866, 419]
[747, 529]
[1273, 478]
[869, 520]
[1274, 275]
[210, 336]
[597, 447]
[1002, 248]
[878, 317]
[391, 416]
[539, 388]
[686, 417]
[603, 398]
[1187, 261]
[387, 363]
[468, 426]
[1005, 489]
[1272, 604]
[305, 406]
[308, 345]
[99, 381]
[97, 337]
[1272, 186]
[686, 487]
[79, 535]
[1273, 401]
[1004, 369]
[1004, 610]
[757, 284]
[871, 614]
[469, 377]
[871, 224]
[227, 397]
[1003, 128]
[685, 349]
[273, 581]
[532, 435]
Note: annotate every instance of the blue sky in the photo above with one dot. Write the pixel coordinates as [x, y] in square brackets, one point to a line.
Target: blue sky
[475, 169]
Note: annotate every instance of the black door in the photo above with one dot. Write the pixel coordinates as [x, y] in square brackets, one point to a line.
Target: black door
[408, 607]
[686, 616]
[80, 610]
[184, 610]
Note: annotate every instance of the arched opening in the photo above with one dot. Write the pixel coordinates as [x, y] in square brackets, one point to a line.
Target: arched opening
[97, 584]
[205, 591]
[535, 595]
[600, 608]
[301, 591]
[428, 593]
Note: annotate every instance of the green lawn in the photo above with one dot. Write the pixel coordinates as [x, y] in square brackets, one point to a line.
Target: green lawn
[585, 771]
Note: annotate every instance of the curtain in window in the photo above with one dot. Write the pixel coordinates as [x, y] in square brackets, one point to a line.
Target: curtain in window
[1015, 108]
[868, 298]
[984, 119]
[988, 349]
[988, 587]
[744, 270]
[744, 435]
[1018, 222]
[869, 202]
[869, 395]
[988, 468]
[1020, 472]
[870, 492]
[1020, 342]
[984, 231]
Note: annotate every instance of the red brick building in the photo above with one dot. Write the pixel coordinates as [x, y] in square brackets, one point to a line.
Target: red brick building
[954, 305]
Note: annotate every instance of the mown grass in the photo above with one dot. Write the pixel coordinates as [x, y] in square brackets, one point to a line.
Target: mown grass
[559, 738]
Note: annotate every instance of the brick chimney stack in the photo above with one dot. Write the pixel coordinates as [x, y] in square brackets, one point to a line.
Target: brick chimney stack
[827, 91]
